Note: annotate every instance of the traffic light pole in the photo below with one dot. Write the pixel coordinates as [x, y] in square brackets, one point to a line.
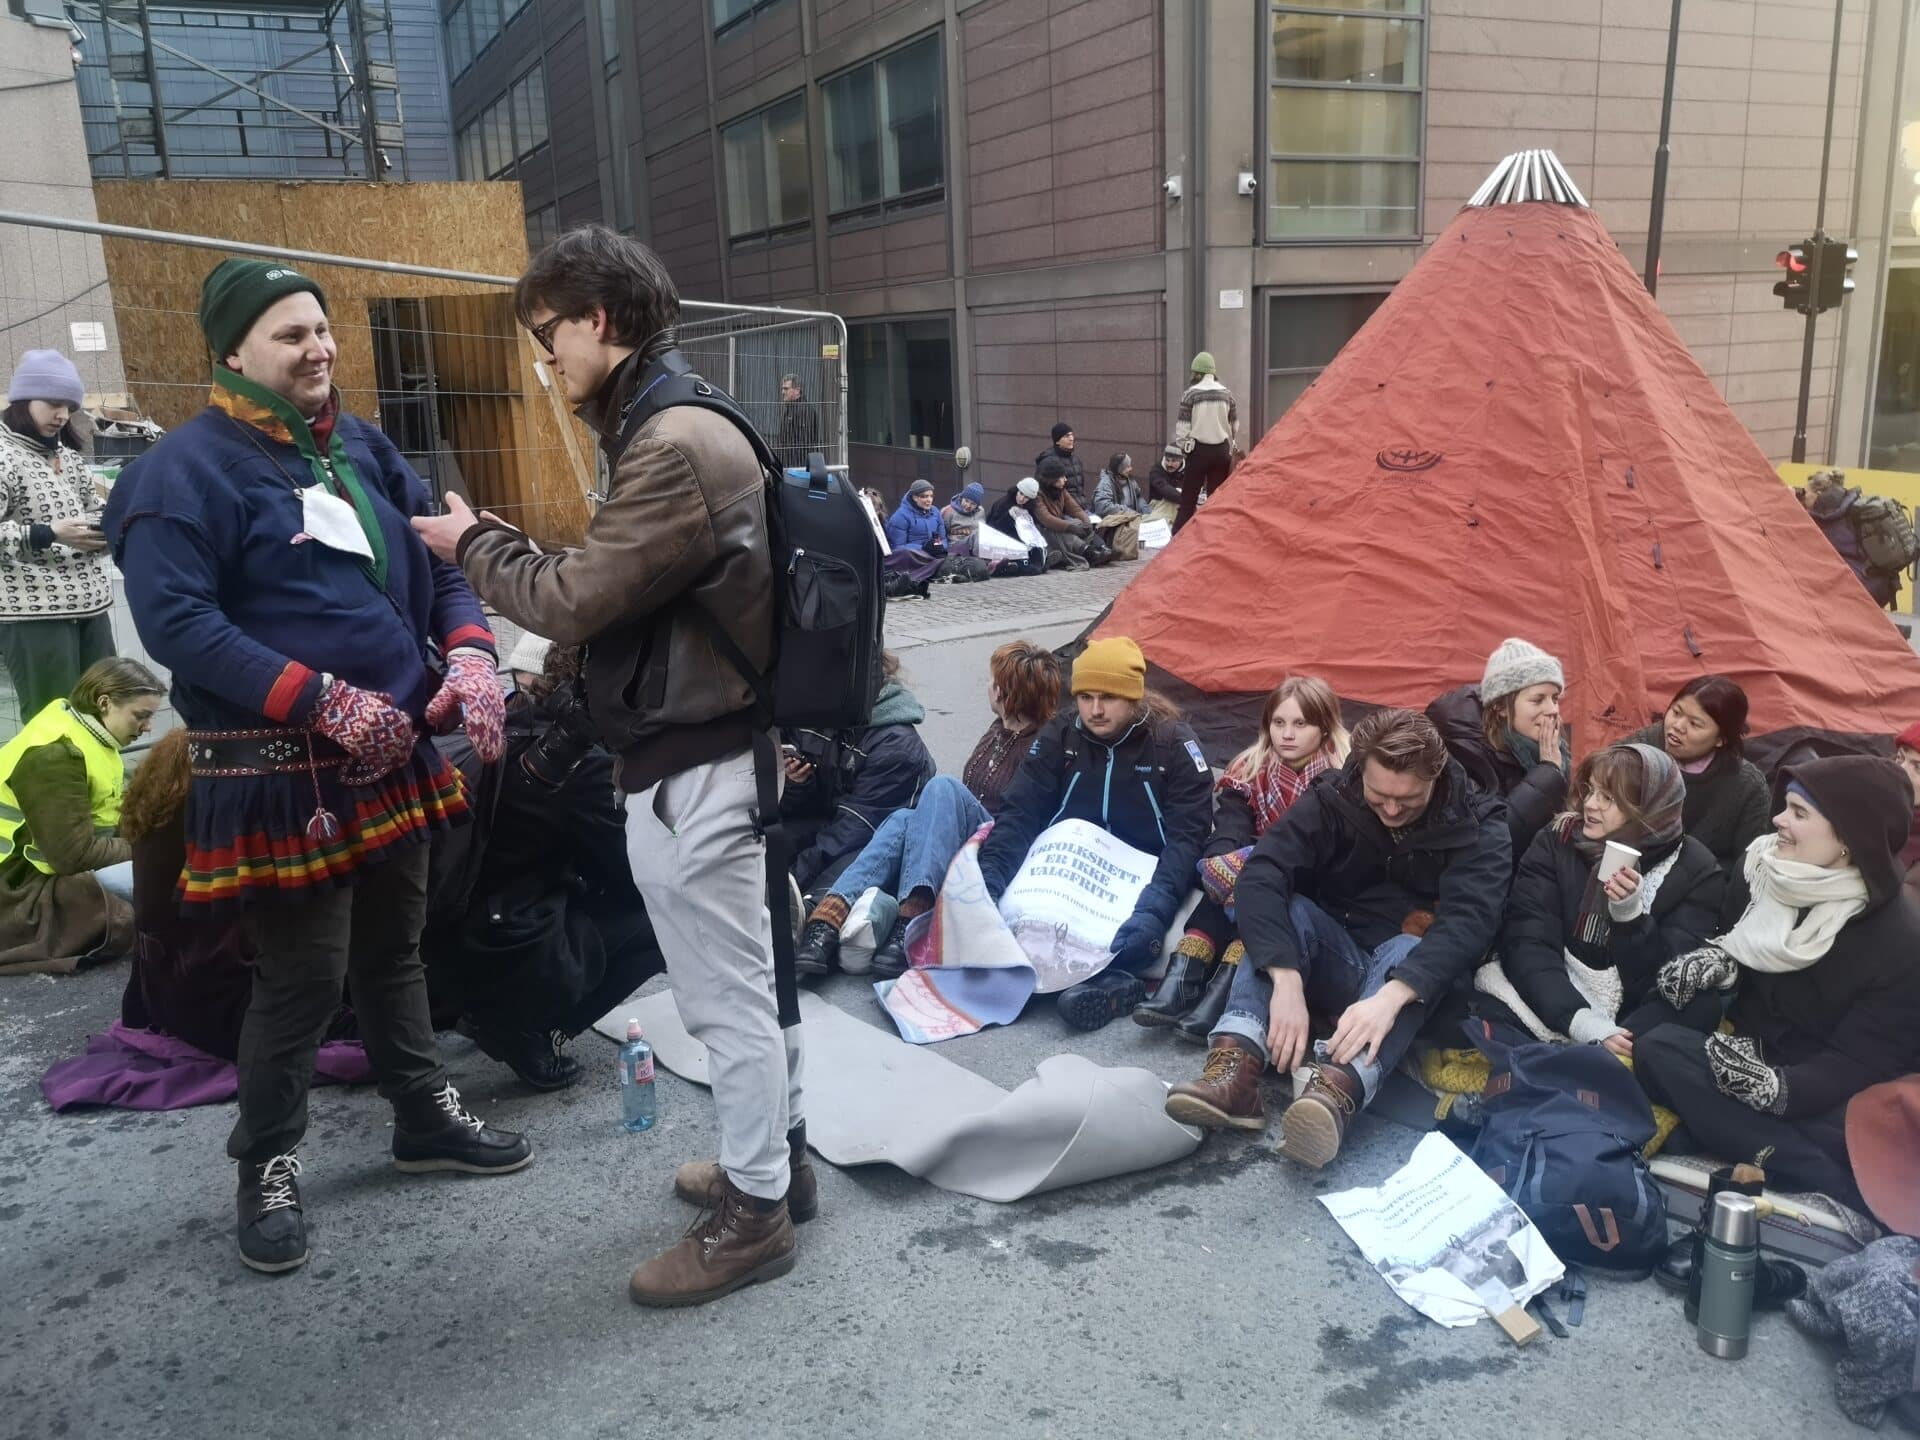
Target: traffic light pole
[1818, 258]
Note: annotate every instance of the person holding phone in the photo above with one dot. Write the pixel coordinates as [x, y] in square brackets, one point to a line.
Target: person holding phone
[1605, 895]
[55, 591]
[1506, 733]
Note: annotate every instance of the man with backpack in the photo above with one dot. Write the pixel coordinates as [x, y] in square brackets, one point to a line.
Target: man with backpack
[1873, 534]
[672, 592]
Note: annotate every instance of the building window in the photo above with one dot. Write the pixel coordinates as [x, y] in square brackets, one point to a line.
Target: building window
[1344, 119]
[1895, 437]
[900, 383]
[459, 39]
[727, 14]
[507, 131]
[1304, 333]
[766, 158]
[884, 143]
[542, 226]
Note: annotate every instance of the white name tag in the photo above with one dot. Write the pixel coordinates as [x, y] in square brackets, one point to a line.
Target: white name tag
[331, 521]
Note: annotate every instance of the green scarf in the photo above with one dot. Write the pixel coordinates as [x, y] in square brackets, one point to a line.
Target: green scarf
[1526, 750]
[268, 412]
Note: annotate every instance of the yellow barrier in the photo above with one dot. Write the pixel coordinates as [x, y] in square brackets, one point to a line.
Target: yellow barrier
[1898, 485]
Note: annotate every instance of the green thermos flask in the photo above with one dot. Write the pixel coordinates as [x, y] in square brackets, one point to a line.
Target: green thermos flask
[1729, 1265]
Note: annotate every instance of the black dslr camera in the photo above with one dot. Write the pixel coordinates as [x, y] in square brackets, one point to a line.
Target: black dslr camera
[550, 759]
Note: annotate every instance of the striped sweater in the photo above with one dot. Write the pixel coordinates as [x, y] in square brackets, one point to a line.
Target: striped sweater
[41, 579]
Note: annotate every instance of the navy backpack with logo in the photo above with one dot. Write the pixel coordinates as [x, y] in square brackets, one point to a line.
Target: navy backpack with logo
[1562, 1134]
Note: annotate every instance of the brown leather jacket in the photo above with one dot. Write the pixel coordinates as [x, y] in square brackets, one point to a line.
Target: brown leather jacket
[685, 519]
[1058, 510]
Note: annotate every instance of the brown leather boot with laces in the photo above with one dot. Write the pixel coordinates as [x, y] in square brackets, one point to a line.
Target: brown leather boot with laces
[1312, 1127]
[740, 1242]
[1227, 1094]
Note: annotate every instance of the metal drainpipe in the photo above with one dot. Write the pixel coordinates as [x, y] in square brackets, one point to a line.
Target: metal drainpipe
[1196, 187]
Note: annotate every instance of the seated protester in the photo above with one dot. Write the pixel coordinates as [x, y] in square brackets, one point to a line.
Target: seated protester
[538, 930]
[1506, 735]
[1300, 739]
[962, 516]
[1704, 729]
[1826, 995]
[192, 974]
[841, 785]
[1119, 506]
[1163, 484]
[1126, 762]
[910, 852]
[1906, 754]
[915, 524]
[65, 876]
[1578, 957]
[1062, 450]
[1013, 516]
[1073, 543]
[1414, 860]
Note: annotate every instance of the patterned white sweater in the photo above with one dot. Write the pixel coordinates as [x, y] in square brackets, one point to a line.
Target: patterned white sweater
[50, 582]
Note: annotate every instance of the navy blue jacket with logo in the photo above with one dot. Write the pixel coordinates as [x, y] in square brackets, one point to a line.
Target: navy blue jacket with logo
[1150, 788]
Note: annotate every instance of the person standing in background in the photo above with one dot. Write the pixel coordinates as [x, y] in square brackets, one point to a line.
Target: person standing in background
[799, 433]
[1206, 429]
[55, 587]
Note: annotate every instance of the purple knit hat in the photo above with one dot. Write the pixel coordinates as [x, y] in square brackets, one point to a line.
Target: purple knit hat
[46, 375]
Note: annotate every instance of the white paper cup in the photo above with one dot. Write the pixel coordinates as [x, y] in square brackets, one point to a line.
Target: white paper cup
[1614, 858]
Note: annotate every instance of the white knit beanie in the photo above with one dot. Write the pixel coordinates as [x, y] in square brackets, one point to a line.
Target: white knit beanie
[1514, 666]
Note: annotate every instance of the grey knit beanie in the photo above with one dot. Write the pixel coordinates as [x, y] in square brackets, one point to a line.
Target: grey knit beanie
[46, 376]
[1514, 666]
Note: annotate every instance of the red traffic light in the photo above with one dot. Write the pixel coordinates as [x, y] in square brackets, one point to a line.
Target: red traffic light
[1794, 259]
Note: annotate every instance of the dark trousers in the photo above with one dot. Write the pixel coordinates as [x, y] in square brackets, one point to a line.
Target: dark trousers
[1207, 470]
[44, 658]
[1808, 1154]
[368, 933]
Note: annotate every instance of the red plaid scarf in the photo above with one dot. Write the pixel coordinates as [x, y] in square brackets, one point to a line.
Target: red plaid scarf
[1272, 792]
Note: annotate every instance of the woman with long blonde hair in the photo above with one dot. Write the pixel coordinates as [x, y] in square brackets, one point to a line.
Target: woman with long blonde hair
[1300, 738]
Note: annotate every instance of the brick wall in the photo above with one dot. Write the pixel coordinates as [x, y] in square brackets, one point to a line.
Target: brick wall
[896, 253]
[772, 270]
[672, 62]
[685, 213]
[1063, 110]
[1095, 364]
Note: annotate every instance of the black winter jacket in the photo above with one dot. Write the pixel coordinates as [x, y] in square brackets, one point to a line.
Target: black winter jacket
[1543, 912]
[1233, 823]
[1000, 514]
[859, 778]
[1163, 484]
[1330, 848]
[1076, 472]
[1852, 1018]
[1727, 806]
[1534, 796]
[1151, 788]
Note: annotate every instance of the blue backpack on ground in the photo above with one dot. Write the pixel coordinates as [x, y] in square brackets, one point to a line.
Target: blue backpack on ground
[1563, 1126]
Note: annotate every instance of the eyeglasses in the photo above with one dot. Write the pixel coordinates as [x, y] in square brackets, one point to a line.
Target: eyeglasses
[543, 332]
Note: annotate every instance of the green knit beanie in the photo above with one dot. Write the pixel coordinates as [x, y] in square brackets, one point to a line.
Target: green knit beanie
[235, 293]
[1203, 364]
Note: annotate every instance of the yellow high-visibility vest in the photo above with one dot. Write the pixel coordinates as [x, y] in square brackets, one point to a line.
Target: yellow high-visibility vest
[106, 778]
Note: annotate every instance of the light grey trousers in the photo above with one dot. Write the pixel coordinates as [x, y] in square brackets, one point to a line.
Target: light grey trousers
[703, 874]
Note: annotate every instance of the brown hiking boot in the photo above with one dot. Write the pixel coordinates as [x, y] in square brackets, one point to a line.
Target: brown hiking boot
[699, 1182]
[741, 1242]
[1227, 1094]
[1312, 1127]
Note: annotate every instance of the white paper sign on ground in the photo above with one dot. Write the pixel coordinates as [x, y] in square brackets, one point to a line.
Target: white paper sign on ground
[1446, 1238]
[1075, 889]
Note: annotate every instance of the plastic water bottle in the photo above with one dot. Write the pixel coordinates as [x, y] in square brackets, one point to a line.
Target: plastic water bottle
[638, 1109]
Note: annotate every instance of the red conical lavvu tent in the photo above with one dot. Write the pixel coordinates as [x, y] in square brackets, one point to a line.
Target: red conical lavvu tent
[1516, 443]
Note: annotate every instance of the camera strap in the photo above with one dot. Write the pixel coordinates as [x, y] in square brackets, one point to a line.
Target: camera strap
[772, 829]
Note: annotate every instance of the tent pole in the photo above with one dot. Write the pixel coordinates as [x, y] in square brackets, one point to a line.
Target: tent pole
[1819, 255]
[1657, 213]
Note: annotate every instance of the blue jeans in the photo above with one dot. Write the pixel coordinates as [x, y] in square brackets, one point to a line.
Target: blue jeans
[912, 848]
[1337, 972]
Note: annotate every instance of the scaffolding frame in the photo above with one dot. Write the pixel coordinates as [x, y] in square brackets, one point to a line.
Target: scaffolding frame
[366, 84]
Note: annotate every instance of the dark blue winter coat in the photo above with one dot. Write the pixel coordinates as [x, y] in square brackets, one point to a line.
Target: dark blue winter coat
[1150, 788]
[909, 526]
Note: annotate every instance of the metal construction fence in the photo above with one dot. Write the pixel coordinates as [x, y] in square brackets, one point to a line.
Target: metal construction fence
[434, 357]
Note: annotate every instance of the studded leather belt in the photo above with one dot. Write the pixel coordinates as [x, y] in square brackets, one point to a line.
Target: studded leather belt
[221, 754]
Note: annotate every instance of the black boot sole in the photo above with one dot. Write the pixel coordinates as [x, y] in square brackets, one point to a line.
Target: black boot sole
[1154, 1019]
[272, 1267]
[1096, 1009]
[772, 1270]
[439, 1163]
